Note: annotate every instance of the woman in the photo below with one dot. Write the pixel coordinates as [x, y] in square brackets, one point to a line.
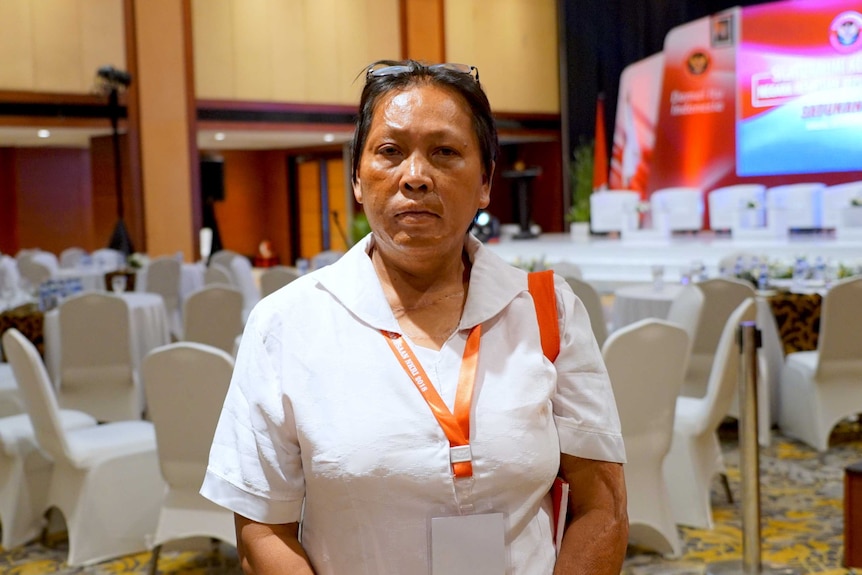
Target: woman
[330, 419]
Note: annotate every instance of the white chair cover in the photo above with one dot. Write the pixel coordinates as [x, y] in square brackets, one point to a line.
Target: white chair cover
[721, 297]
[163, 278]
[213, 315]
[105, 480]
[275, 278]
[71, 257]
[677, 209]
[795, 206]
[835, 199]
[96, 369]
[186, 384]
[725, 204]
[646, 364]
[610, 209]
[820, 388]
[593, 302]
[695, 455]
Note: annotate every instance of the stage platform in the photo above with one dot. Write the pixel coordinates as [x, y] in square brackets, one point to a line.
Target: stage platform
[609, 262]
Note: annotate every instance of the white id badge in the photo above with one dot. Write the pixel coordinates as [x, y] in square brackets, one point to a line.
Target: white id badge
[468, 545]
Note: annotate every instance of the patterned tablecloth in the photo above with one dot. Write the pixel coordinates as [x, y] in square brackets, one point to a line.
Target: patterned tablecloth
[28, 320]
[797, 317]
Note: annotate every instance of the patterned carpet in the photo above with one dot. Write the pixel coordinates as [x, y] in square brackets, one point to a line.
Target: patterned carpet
[802, 509]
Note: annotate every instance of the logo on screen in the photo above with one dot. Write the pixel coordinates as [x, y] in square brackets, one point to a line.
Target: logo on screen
[697, 62]
[844, 33]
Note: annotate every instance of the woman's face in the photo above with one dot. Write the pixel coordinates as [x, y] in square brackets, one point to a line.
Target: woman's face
[420, 176]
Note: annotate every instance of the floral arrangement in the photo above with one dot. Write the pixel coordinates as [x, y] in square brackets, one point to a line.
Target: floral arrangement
[856, 202]
[532, 265]
[137, 260]
[752, 205]
[642, 207]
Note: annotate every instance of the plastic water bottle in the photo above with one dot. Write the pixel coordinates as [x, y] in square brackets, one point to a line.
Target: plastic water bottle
[819, 269]
[763, 277]
[800, 273]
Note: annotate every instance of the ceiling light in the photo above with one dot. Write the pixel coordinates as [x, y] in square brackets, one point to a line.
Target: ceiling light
[219, 136]
[328, 137]
[43, 133]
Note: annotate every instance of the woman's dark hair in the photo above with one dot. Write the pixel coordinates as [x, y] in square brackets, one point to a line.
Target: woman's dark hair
[411, 73]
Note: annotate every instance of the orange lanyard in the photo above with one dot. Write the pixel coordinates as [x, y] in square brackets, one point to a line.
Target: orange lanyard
[457, 426]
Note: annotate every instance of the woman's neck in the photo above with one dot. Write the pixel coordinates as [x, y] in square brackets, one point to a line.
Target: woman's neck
[427, 304]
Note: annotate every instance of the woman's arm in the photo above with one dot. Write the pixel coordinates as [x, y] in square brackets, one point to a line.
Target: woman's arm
[265, 549]
[597, 533]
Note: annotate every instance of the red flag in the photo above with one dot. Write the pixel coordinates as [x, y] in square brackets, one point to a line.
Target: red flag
[600, 153]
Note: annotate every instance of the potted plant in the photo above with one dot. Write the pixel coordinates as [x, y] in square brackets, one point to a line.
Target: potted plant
[581, 182]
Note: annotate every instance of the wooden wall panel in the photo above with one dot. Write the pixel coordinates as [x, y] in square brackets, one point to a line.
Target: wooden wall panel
[102, 37]
[213, 48]
[252, 60]
[515, 48]
[57, 45]
[423, 29]
[16, 32]
[9, 200]
[242, 215]
[277, 214]
[289, 52]
[165, 123]
[309, 209]
[307, 51]
[337, 203]
[53, 196]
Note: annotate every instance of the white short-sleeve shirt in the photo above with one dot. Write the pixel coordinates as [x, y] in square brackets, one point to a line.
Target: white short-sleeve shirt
[320, 410]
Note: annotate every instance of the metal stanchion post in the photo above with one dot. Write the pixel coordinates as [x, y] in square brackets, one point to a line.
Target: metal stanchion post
[749, 466]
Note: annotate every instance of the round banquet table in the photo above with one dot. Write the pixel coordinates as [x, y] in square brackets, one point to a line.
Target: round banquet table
[641, 301]
[148, 329]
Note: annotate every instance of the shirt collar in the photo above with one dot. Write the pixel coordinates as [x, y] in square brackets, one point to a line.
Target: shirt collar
[353, 282]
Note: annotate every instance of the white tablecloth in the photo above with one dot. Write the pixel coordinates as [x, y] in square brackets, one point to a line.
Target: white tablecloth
[92, 278]
[640, 301]
[148, 323]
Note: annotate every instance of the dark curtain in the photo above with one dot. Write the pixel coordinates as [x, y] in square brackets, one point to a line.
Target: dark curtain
[602, 37]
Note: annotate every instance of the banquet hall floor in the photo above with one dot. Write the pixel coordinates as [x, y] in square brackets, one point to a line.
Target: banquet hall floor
[801, 507]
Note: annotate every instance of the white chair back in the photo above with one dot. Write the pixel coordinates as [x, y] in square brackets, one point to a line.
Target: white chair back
[721, 297]
[325, 258]
[685, 311]
[646, 364]
[71, 257]
[721, 387]
[840, 338]
[567, 269]
[275, 278]
[725, 203]
[185, 384]
[217, 274]
[38, 395]
[96, 371]
[795, 206]
[213, 315]
[108, 259]
[677, 209]
[837, 198]
[593, 302]
[609, 209]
